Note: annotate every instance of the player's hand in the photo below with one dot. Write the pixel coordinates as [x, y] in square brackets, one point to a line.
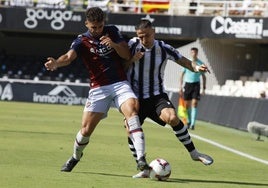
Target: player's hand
[137, 56]
[51, 64]
[107, 41]
[202, 68]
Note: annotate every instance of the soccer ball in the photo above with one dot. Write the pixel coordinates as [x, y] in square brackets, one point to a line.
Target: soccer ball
[160, 169]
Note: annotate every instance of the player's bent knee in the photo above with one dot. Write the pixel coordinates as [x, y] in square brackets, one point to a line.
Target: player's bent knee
[173, 120]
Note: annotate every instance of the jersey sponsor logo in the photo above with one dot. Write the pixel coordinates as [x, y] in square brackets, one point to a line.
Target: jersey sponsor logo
[60, 94]
[101, 50]
[6, 92]
[57, 18]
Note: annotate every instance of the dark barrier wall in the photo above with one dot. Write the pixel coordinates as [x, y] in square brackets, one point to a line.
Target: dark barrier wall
[233, 112]
[166, 26]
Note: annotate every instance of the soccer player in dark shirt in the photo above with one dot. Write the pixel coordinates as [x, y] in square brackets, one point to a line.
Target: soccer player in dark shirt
[102, 49]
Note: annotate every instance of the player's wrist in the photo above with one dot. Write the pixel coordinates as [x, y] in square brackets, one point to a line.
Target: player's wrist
[56, 64]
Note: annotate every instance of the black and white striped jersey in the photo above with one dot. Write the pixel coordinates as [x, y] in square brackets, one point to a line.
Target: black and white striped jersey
[146, 75]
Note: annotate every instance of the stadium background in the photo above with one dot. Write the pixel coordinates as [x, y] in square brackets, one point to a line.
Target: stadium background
[232, 46]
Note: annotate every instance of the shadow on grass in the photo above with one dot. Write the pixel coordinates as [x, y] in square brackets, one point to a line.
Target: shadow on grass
[177, 180]
[105, 174]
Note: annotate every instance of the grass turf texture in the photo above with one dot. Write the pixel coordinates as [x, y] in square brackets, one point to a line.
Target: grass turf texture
[36, 139]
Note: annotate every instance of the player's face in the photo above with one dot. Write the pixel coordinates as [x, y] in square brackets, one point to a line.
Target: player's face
[95, 28]
[193, 53]
[146, 36]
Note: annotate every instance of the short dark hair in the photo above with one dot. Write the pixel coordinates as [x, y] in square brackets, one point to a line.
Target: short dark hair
[194, 49]
[95, 14]
[144, 23]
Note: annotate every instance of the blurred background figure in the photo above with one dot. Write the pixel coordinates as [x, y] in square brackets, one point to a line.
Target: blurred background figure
[191, 89]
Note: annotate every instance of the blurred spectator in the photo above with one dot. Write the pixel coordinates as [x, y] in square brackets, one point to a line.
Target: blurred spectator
[24, 3]
[193, 7]
[61, 4]
[103, 4]
[123, 2]
[263, 94]
[78, 4]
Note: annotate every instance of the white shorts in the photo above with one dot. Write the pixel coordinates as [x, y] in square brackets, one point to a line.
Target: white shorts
[100, 99]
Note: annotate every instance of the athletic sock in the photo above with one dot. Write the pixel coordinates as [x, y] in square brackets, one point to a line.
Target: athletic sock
[183, 136]
[193, 115]
[189, 110]
[132, 149]
[79, 145]
[136, 135]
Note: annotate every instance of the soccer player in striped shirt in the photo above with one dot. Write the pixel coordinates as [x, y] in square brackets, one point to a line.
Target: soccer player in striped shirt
[145, 74]
[102, 49]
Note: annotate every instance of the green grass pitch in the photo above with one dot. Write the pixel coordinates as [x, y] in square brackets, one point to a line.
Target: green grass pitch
[36, 139]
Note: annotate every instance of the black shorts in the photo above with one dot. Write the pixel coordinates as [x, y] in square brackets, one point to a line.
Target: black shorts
[192, 91]
[152, 108]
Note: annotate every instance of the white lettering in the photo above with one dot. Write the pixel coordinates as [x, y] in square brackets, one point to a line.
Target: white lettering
[158, 30]
[7, 93]
[59, 99]
[251, 27]
[57, 18]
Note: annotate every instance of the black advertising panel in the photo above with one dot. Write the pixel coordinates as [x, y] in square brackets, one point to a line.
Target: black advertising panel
[2, 18]
[43, 93]
[43, 20]
[197, 27]
[167, 26]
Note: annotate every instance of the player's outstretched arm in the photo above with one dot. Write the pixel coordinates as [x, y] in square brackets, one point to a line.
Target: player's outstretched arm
[191, 65]
[64, 60]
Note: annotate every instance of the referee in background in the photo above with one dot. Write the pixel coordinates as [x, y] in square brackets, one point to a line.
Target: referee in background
[191, 92]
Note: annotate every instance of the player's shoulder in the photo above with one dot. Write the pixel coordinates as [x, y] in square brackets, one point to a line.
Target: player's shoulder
[164, 44]
[83, 35]
[110, 27]
[134, 40]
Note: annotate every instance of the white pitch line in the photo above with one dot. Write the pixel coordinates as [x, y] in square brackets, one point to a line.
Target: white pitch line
[229, 149]
[222, 146]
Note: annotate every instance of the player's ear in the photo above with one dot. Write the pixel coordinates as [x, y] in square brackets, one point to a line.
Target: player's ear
[153, 30]
[86, 22]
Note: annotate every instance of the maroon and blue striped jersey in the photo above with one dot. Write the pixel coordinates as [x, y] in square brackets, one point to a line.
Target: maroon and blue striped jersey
[103, 63]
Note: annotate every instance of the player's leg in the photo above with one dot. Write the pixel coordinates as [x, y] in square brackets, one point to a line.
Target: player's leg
[95, 109]
[168, 115]
[143, 111]
[193, 113]
[89, 122]
[128, 105]
[143, 173]
[187, 95]
[194, 102]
